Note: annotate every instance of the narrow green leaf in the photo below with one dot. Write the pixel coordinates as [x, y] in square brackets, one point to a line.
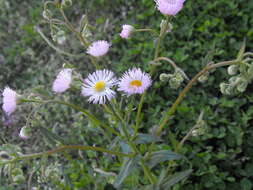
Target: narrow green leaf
[128, 166]
[168, 183]
[162, 156]
[146, 138]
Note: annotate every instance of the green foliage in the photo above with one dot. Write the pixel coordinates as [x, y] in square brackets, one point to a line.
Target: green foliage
[204, 31]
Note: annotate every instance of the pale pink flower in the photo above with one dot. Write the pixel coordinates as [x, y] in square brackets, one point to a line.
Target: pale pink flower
[134, 81]
[62, 81]
[169, 7]
[97, 86]
[98, 48]
[126, 31]
[9, 100]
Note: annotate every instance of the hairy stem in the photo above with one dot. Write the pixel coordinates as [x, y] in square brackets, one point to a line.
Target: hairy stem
[54, 47]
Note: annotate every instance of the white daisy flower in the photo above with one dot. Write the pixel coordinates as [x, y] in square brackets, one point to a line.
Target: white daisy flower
[97, 86]
[134, 82]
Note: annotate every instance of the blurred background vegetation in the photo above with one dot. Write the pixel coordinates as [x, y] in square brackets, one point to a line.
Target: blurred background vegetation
[222, 155]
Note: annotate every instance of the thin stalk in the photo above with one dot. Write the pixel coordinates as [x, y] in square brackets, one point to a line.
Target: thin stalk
[146, 170]
[148, 173]
[71, 28]
[145, 30]
[54, 47]
[64, 148]
[173, 108]
[152, 70]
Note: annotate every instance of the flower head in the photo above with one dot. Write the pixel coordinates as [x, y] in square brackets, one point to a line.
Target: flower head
[9, 100]
[169, 7]
[97, 86]
[126, 31]
[134, 82]
[62, 81]
[25, 133]
[98, 48]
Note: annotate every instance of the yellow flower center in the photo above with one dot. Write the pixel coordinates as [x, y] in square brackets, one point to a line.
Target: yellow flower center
[136, 83]
[99, 86]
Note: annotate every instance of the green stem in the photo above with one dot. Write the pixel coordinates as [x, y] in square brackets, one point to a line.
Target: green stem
[145, 30]
[172, 109]
[148, 173]
[71, 28]
[64, 148]
[54, 47]
[146, 170]
[161, 36]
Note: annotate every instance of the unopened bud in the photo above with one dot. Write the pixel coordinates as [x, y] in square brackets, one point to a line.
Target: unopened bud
[234, 80]
[223, 87]
[233, 69]
[25, 132]
[242, 85]
[164, 77]
[174, 83]
[229, 90]
[66, 3]
[179, 77]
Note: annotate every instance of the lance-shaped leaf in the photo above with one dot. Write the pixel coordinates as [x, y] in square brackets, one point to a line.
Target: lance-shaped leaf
[162, 156]
[128, 166]
[169, 182]
[146, 138]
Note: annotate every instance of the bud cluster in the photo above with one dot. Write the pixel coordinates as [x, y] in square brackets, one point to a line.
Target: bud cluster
[241, 77]
[175, 80]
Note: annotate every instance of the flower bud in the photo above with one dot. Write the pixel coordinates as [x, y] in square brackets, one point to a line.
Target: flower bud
[229, 90]
[25, 132]
[179, 76]
[126, 31]
[164, 77]
[242, 85]
[234, 80]
[223, 87]
[174, 83]
[66, 3]
[233, 69]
